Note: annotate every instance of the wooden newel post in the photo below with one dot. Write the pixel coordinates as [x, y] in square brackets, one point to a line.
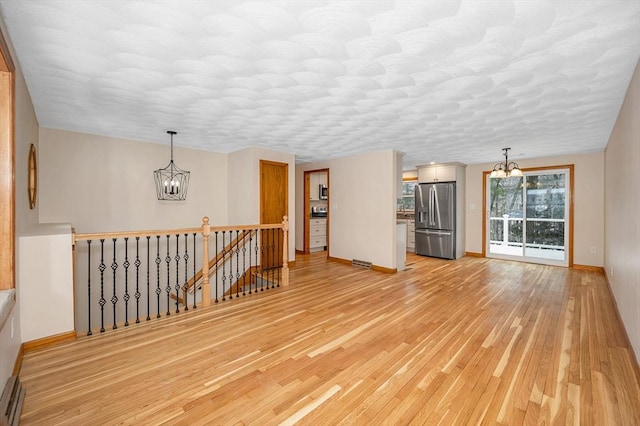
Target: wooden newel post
[285, 252]
[206, 287]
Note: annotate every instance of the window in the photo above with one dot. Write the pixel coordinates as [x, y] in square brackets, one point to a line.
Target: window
[529, 216]
[408, 200]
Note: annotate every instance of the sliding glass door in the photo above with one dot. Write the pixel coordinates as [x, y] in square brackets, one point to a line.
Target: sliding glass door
[528, 217]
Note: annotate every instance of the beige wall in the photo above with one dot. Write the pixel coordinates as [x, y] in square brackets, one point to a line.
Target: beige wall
[46, 271]
[362, 203]
[588, 204]
[26, 133]
[97, 184]
[622, 207]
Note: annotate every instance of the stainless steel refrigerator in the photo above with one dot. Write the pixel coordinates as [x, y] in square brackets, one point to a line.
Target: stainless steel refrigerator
[436, 219]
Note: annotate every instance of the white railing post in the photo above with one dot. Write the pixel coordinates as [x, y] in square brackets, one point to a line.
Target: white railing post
[285, 252]
[505, 229]
[206, 288]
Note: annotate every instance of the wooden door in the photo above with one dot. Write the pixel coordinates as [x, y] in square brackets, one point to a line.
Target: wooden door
[274, 204]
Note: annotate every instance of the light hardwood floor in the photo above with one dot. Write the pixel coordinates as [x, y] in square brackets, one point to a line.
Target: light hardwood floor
[462, 342]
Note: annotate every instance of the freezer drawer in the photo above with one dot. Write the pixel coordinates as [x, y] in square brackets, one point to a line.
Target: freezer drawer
[436, 243]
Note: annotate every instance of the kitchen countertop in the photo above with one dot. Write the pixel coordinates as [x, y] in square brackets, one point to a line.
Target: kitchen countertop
[406, 216]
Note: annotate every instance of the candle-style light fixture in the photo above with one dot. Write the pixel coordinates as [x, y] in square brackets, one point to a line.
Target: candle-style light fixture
[171, 182]
[506, 169]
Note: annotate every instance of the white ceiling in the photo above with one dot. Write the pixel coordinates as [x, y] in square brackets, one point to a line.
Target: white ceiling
[439, 80]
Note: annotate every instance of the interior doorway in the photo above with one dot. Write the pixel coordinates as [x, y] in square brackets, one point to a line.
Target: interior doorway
[529, 217]
[274, 205]
[316, 211]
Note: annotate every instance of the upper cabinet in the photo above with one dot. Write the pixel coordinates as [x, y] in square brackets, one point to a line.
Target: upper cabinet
[440, 173]
[315, 180]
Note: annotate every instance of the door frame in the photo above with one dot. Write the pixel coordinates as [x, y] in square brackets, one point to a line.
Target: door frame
[7, 165]
[285, 184]
[306, 210]
[570, 214]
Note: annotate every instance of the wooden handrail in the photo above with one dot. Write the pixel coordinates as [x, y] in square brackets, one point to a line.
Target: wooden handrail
[154, 233]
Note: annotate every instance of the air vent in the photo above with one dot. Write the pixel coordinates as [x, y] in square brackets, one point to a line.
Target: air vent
[361, 263]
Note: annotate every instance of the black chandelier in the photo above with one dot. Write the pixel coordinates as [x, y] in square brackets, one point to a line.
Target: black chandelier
[506, 169]
[171, 182]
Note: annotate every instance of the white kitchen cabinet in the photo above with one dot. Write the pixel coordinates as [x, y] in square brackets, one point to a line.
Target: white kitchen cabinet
[445, 173]
[317, 234]
[322, 179]
[313, 187]
[411, 235]
[315, 180]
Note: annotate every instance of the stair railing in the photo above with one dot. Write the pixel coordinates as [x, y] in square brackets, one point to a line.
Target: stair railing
[133, 276]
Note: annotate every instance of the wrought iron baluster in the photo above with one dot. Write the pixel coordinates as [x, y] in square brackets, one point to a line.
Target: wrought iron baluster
[280, 259]
[230, 265]
[158, 261]
[126, 296]
[148, 277]
[216, 257]
[137, 294]
[102, 300]
[167, 289]
[263, 257]
[244, 264]
[186, 268]
[195, 288]
[250, 266]
[177, 287]
[237, 264]
[256, 250]
[114, 298]
[224, 276]
[273, 260]
[89, 332]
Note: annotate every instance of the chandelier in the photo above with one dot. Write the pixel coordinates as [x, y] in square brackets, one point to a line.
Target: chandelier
[506, 169]
[171, 182]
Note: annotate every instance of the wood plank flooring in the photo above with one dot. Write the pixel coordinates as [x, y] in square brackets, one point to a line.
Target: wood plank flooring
[471, 341]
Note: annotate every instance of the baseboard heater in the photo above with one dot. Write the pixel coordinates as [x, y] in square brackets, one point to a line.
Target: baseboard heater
[11, 402]
[361, 263]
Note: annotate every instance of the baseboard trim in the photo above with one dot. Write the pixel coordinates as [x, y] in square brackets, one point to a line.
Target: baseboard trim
[588, 268]
[373, 267]
[292, 263]
[338, 260]
[17, 365]
[45, 342]
[383, 269]
[472, 254]
[634, 358]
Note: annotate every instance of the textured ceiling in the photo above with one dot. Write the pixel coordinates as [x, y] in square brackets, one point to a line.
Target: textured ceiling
[439, 80]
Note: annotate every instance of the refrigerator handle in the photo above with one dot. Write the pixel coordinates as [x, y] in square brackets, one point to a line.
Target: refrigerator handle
[432, 193]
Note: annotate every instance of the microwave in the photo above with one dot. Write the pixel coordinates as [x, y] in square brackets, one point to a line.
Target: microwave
[323, 192]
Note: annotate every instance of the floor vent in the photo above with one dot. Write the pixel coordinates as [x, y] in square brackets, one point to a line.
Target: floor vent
[361, 263]
[11, 402]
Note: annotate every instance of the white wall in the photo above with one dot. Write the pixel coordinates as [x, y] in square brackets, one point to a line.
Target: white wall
[362, 206]
[25, 133]
[98, 184]
[46, 271]
[588, 203]
[622, 204]
[244, 187]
